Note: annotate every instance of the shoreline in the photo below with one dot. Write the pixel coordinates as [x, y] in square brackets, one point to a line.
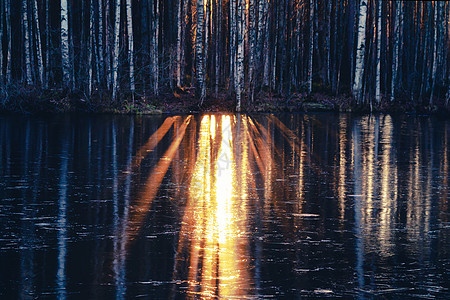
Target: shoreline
[182, 102]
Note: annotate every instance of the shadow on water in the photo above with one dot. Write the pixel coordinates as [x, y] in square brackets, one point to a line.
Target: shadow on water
[224, 206]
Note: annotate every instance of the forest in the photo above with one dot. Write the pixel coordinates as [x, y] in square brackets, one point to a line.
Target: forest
[112, 53]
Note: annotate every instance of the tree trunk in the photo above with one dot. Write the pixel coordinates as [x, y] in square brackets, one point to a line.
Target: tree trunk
[179, 44]
[65, 43]
[199, 52]
[155, 47]
[91, 45]
[395, 53]
[115, 68]
[131, 47]
[351, 35]
[435, 51]
[266, 52]
[360, 52]
[251, 62]
[378, 59]
[424, 77]
[311, 45]
[232, 54]
[100, 49]
[47, 45]
[9, 47]
[328, 43]
[108, 43]
[217, 42]
[262, 20]
[240, 53]
[28, 75]
[275, 46]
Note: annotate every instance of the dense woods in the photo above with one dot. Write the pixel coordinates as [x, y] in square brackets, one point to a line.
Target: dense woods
[111, 51]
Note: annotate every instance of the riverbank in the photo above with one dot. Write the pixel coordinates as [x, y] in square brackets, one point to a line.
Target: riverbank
[184, 101]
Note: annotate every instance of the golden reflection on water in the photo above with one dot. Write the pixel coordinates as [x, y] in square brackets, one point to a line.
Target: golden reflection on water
[341, 190]
[214, 221]
[389, 183]
[376, 183]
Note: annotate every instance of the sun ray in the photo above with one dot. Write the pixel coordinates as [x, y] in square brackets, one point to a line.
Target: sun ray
[143, 203]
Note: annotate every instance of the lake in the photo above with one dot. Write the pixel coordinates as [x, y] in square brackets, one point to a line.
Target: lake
[224, 206]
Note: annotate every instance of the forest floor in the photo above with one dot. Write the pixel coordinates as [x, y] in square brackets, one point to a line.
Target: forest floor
[184, 102]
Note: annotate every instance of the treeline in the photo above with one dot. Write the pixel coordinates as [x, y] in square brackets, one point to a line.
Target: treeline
[377, 51]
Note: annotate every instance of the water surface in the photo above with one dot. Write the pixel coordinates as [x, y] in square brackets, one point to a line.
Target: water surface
[224, 206]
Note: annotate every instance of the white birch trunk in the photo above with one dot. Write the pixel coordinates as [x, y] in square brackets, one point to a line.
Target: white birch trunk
[266, 46]
[91, 45]
[155, 47]
[311, 45]
[25, 27]
[206, 40]
[435, 51]
[130, 47]
[101, 50]
[65, 42]
[240, 53]
[378, 75]
[232, 77]
[328, 43]
[179, 45]
[199, 50]
[38, 43]
[395, 53]
[47, 44]
[8, 54]
[217, 41]
[107, 48]
[251, 63]
[360, 52]
[115, 68]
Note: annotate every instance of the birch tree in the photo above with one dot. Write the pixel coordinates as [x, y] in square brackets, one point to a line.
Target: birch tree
[252, 54]
[360, 51]
[260, 49]
[266, 46]
[101, 50]
[115, 68]
[395, 53]
[378, 58]
[179, 43]
[91, 46]
[47, 44]
[9, 42]
[218, 44]
[130, 47]
[311, 45]
[199, 51]
[240, 53]
[232, 45]
[436, 52]
[26, 33]
[155, 47]
[65, 42]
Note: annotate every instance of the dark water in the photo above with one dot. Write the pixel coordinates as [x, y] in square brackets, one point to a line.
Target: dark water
[224, 206]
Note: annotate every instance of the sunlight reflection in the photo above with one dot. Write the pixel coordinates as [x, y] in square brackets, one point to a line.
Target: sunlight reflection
[145, 199]
[388, 189]
[215, 214]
